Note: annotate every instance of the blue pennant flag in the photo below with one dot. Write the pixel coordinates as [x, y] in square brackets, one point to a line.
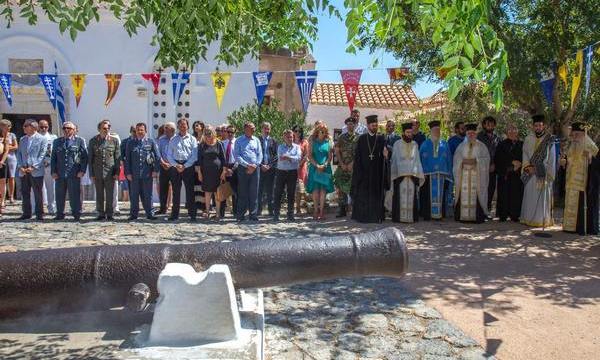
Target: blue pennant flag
[5, 83]
[180, 80]
[261, 82]
[60, 99]
[547, 80]
[306, 80]
[49, 83]
[588, 54]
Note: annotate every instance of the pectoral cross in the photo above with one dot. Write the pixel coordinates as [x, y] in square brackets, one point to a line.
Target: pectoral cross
[371, 156]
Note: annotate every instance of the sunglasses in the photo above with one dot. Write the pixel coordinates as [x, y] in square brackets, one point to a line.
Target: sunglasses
[106, 128]
[230, 132]
[43, 127]
[68, 128]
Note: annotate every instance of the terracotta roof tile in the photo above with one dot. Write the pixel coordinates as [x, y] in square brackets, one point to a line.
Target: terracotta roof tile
[369, 95]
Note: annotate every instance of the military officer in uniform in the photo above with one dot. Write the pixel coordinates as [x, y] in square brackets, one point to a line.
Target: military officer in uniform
[104, 155]
[68, 164]
[141, 166]
[344, 152]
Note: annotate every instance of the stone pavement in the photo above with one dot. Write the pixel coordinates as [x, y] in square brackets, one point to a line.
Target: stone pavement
[343, 319]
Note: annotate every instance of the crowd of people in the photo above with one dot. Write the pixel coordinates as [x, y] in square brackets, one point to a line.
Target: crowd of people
[406, 176]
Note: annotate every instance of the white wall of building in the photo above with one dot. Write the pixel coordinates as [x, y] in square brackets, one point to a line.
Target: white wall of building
[105, 47]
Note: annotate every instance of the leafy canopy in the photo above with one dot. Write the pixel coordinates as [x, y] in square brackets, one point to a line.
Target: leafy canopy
[459, 29]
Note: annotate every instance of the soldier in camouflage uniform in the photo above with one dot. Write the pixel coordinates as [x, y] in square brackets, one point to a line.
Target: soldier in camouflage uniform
[344, 152]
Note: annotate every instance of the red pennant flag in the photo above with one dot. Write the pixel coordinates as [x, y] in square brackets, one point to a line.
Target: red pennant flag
[397, 73]
[154, 78]
[351, 79]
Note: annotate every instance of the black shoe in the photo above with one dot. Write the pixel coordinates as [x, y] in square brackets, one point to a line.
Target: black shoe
[291, 218]
[131, 218]
[253, 219]
[172, 218]
[342, 212]
[59, 217]
[151, 217]
[109, 217]
[39, 218]
[76, 218]
[276, 218]
[241, 219]
[24, 217]
[100, 217]
[160, 212]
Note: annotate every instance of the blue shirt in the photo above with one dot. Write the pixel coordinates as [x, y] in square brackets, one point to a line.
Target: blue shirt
[182, 148]
[292, 151]
[265, 148]
[163, 143]
[248, 151]
[453, 143]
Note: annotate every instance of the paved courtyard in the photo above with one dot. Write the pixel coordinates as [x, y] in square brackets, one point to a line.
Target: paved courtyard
[472, 292]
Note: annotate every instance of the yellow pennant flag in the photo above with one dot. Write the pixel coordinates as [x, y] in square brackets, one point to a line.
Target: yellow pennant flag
[562, 73]
[112, 81]
[220, 81]
[77, 82]
[577, 76]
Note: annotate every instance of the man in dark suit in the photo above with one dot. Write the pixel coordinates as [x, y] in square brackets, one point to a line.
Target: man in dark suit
[68, 164]
[267, 169]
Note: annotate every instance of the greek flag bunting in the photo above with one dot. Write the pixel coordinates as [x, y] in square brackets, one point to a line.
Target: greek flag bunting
[49, 83]
[180, 80]
[261, 83]
[5, 84]
[60, 99]
[306, 80]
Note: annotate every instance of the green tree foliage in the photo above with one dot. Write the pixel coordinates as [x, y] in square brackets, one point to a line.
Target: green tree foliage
[267, 113]
[534, 34]
[457, 30]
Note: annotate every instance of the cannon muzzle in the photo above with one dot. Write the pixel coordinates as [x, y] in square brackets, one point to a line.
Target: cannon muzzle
[89, 278]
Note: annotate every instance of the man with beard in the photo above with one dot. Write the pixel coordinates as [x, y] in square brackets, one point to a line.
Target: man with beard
[583, 178]
[471, 175]
[368, 180]
[509, 155]
[437, 166]
[539, 168]
[491, 141]
[406, 178]
[459, 136]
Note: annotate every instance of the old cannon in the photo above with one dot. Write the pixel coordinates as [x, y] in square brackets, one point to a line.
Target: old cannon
[100, 277]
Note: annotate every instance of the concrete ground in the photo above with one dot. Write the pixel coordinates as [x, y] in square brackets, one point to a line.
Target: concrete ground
[520, 296]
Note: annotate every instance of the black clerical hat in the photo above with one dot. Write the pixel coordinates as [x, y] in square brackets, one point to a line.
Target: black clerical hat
[371, 119]
[578, 126]
[406, 126]
[538, 118]
[471, 127]
[434, 123]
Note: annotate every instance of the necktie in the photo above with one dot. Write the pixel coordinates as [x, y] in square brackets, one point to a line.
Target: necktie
[228, 151]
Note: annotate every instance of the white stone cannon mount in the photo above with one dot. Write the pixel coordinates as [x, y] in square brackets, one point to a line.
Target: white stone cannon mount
[198, 316]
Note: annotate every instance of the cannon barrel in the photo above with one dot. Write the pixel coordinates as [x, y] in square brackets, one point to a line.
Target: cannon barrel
[100, 277]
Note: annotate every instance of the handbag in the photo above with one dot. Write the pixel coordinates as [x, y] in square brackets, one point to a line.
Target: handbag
[224, 191]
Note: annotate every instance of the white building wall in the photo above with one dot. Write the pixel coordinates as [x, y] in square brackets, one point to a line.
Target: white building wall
[107, 48]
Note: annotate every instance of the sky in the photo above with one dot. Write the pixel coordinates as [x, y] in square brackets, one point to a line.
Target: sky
[330, 52]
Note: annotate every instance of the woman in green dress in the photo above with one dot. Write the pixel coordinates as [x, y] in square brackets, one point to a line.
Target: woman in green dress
[320, 178]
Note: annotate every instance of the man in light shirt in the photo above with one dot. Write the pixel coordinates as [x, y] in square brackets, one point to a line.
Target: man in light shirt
[359, 128]
[182, 154]
[289, 155]
[248, 156]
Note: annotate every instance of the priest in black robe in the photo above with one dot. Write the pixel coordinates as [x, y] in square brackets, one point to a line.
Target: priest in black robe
[368, 181]
[509, 155]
